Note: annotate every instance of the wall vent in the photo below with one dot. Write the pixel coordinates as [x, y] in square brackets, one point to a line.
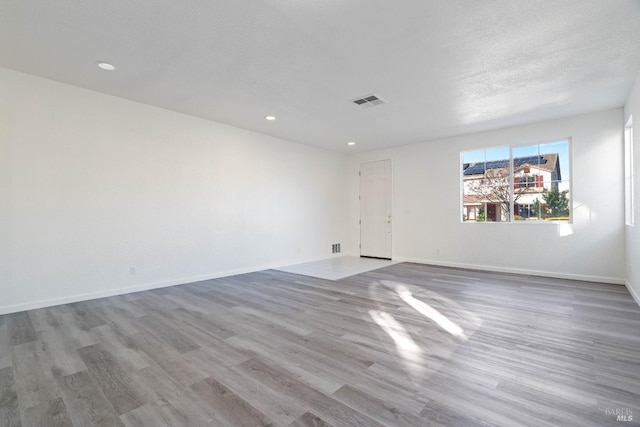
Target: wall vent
[368, 101]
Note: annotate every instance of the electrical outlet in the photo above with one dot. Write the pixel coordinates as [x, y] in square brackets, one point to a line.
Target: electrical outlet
[132, 271]
[438, 251]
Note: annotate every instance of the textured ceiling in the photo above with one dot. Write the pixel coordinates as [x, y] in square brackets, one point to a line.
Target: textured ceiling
[443, 67]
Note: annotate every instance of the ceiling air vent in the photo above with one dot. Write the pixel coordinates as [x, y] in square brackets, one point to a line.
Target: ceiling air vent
[369, 101]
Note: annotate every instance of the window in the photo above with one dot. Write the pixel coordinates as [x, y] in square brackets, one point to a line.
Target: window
[527, 181]
[628, 172]
[521, 183]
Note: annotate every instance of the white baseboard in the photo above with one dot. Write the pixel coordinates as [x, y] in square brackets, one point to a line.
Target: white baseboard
[32, 305]
[557, 275]
[633, 292]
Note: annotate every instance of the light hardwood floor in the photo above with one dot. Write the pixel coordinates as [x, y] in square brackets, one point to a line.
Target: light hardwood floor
[404, 345]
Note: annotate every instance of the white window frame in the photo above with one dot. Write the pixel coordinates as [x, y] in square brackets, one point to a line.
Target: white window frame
[511, 148]
[629, 174]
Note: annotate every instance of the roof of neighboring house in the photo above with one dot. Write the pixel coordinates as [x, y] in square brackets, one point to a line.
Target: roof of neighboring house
[474, 199]
[546, 162]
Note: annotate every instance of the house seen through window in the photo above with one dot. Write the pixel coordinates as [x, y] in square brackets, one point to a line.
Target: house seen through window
[523, 183]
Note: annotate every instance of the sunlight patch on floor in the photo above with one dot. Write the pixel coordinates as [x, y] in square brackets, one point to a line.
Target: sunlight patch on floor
[431, 313]
[406, 347]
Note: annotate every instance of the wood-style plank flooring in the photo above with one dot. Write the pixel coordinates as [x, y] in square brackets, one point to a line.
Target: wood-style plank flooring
[406, 345]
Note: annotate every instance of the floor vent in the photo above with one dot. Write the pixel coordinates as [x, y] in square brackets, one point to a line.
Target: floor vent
[369, 101]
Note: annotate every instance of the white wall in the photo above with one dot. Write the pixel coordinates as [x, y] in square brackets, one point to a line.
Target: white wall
[92, 185]
[632, 233]
[426, 205]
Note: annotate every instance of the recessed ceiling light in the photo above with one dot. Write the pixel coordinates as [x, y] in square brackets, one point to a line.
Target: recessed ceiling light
[351, 143]
[106, 66]
[271, 118]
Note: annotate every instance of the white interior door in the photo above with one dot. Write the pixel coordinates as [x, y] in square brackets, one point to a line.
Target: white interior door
[375, 209]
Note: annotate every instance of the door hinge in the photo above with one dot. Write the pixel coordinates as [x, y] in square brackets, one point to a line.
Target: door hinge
[359, 221]
[359, 173]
